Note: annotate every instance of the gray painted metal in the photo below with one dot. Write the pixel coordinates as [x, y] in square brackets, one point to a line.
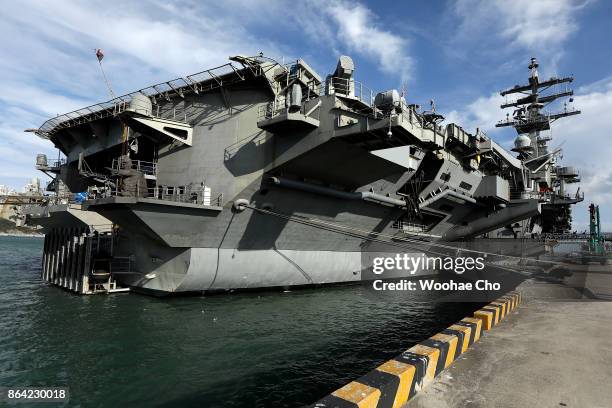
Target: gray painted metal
[358, 195]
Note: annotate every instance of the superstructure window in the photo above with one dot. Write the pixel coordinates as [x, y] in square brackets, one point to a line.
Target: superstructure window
[465, 186]
[445, 176]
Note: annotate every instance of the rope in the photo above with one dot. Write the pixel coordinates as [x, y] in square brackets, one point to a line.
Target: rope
[110, 89]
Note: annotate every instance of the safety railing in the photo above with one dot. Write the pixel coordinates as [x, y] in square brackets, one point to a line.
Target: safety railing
[181, 194]
[544, 196]
[176, 113]
[526, 195]
[279, 105]
[333, 85]
[59, 199]
[146, 167]
[120, 265]
[201, 196]
[52, 165]
[350, 88]
[93, 228]
[577, 196]
[273, 108]
[408, 226]
[544, 117]
[564, 236]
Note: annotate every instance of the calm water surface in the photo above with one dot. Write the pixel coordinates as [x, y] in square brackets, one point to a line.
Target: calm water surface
[241, 350]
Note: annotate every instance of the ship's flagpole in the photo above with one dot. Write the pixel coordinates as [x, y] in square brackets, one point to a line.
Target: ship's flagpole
[100, 56]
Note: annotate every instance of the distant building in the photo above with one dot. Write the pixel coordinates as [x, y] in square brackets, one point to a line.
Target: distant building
[6, 190]
[33, 187]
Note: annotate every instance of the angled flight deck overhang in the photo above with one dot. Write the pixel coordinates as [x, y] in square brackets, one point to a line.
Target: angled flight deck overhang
[154, 108]
[139, 116]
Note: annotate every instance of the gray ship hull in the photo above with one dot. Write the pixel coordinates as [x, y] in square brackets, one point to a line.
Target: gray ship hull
[247, 250]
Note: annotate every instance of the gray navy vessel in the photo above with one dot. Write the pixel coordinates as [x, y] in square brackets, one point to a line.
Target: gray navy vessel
[257, 174]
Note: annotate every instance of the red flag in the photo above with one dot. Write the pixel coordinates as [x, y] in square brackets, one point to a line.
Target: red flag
[99, 54]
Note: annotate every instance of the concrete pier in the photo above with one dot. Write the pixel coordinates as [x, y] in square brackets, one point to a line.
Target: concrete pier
[555, 351]
[395, 382]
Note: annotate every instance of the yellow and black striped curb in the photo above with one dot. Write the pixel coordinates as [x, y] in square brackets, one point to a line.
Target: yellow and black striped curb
[396, 381]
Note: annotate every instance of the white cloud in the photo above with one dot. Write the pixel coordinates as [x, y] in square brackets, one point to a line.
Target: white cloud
[18, 149]
[37, 100]
[586, 143]
[525, 22]
[358, 30]
[351, 27]
[540, 27]
[141, 40]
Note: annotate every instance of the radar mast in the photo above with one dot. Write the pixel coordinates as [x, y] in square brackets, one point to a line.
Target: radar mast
[530, 118]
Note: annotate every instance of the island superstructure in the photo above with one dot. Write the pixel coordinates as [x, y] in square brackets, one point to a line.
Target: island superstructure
[545, 178]
[258, 175]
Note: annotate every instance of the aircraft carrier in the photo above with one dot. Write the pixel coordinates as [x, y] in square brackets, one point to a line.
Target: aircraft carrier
[258, 174]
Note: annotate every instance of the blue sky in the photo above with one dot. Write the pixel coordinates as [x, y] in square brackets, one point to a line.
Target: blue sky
[461, 53]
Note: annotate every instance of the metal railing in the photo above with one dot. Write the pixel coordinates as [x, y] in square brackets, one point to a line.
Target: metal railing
[93, 228]
[350, 88]
[279, 105]
[67, 198]
[544, 196]
[526, 195]
[273, 108]
[52, 165]
[545, 117]
[200, 195]
[408, 226]
[568, 236]
[120, 265]
[168, 113]
[333, 85]
[180, 194]
[577, 196]
[146, 167]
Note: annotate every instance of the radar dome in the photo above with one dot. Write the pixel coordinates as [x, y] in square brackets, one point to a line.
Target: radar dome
[141, 104]
[522, 143]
